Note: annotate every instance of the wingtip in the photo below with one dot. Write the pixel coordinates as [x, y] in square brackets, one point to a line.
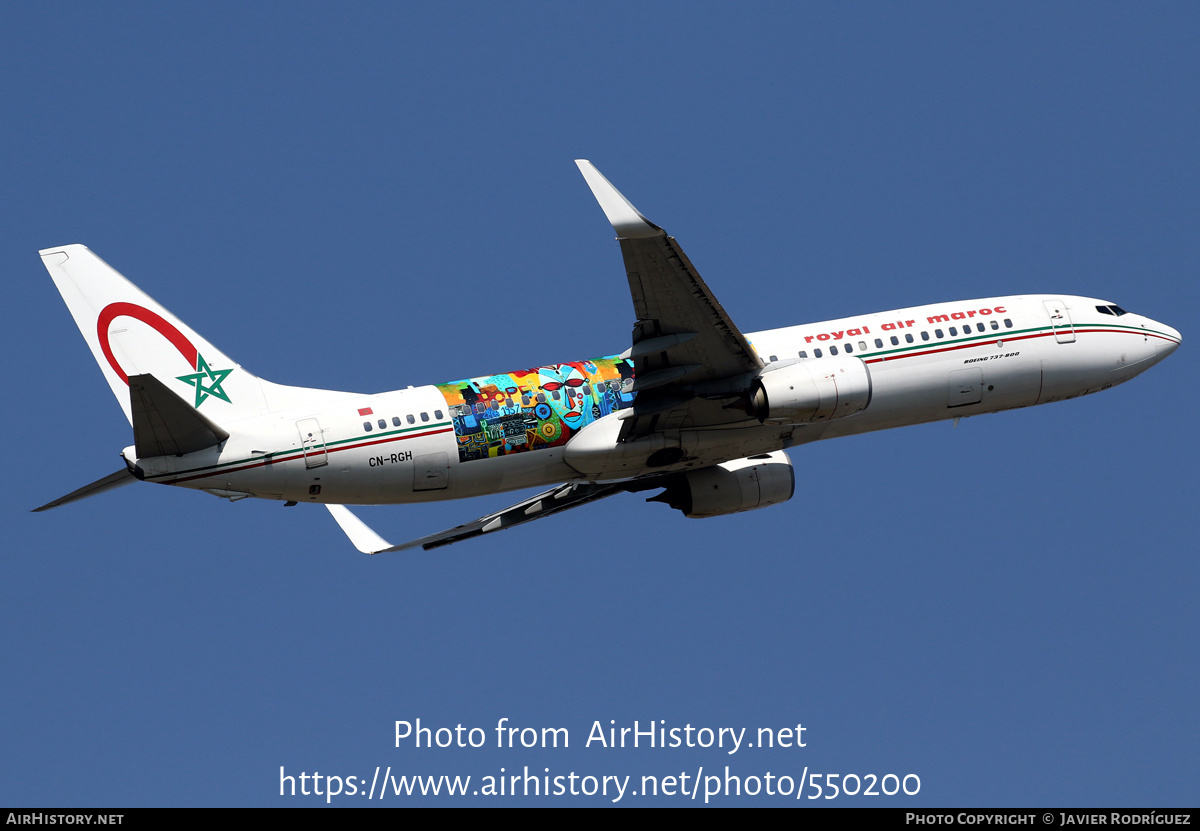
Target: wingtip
[625, 219]
[361, 536]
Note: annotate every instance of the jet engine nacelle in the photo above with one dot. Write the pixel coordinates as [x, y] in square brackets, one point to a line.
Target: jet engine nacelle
[811, 391]
[732, 487]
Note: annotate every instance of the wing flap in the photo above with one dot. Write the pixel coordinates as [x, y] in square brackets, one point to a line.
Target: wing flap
[670, 298]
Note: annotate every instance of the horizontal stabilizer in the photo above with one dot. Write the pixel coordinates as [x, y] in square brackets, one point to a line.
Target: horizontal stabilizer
[166, 425]
[113, 480]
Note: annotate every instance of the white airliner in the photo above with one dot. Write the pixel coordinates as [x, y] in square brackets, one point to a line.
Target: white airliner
[705, 417]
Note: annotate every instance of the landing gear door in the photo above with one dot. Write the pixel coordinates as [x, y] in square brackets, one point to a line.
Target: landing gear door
[312, 442]
[431, 472]
[1060, 320]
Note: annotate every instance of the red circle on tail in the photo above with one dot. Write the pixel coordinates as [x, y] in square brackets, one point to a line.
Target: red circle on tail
[152, 319]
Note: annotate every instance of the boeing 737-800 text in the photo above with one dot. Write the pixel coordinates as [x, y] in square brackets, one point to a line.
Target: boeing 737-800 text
[693, 408]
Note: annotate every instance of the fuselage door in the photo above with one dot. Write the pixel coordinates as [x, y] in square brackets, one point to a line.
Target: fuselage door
[966, 387]
[1060, 319]
[312, 442]
[431, 472]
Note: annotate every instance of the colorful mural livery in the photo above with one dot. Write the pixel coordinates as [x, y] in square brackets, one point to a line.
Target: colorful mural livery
[520, 411]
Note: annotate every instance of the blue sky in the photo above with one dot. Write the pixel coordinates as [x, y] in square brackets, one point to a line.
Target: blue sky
[367, 196]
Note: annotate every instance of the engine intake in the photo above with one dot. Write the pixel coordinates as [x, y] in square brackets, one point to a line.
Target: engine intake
[811, 391]
[732, 487]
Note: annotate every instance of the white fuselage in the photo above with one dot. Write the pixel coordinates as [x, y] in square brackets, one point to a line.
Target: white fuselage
[926, 363]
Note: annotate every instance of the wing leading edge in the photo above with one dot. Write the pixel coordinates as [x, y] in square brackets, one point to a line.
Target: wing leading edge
[690, 355]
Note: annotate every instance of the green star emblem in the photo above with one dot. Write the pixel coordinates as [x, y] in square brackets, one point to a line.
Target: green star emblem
[214, 378]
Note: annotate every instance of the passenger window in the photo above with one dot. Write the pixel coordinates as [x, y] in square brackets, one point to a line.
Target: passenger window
[395, 421]
[848, 348]
[1007, 323]
[954, 331]
[587, 390]
[424, 416]
[541, 398]
[924, 336]
[525, 400]
[774, 358]
[878, 343]
[908, 338]
[833, 350]
[437, 414]
[895, 341]
[556, 395]
[980, 327]
[367, 426]
[995, 324]
[938, 332]
[817, 353]
[409, 418]
[803, 354]
[382, 424]
[862, 346]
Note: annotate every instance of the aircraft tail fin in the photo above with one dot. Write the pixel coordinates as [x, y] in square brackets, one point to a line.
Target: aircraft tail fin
[130, 334]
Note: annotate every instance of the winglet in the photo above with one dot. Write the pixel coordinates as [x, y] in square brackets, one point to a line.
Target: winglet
[363, 538]
[626, 220]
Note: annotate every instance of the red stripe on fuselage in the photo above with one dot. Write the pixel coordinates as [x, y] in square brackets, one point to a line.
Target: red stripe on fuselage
[297, 455]
[1010, 339]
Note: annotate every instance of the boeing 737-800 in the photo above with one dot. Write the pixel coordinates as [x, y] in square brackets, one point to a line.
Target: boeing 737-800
[693, 408]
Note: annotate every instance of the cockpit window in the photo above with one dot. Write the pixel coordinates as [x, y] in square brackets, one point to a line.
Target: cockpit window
[1104, 310]
[1111, 310]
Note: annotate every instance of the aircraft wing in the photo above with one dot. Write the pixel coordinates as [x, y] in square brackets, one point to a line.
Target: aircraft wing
[688, 353]
[560, 498]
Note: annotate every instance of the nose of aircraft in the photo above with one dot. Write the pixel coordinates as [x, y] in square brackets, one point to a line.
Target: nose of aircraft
[1169, 340]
